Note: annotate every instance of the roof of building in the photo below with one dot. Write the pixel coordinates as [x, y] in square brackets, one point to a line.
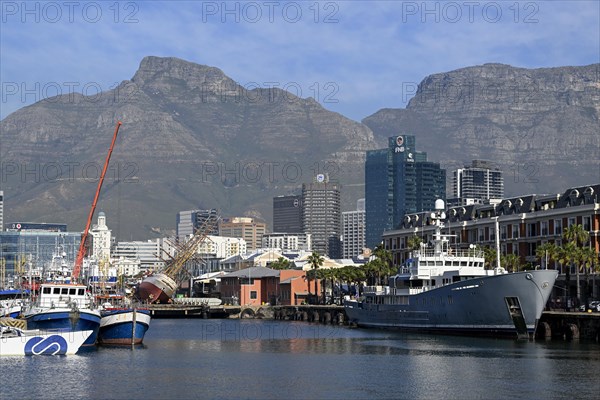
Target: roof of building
[253, 272]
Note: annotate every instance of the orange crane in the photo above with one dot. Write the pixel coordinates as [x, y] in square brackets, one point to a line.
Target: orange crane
[81, 252]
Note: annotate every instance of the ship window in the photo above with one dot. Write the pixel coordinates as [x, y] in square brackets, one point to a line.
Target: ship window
[81, 292]
[56, 290]
[64, 290]
[72, 291]
[46, 290]
[433, 282]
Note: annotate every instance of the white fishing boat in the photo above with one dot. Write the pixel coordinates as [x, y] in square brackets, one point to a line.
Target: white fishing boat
[18, 342]
[450, 291]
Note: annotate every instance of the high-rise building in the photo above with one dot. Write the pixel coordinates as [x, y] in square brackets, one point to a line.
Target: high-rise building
[321, 216]
[287, 214]
[246, 228]
[189, 221]
[480, 182]
[399, 180]
[287, 242]
[353, 231]
[148, 253]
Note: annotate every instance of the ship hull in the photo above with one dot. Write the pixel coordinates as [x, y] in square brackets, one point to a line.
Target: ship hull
[65, 319]
[17, 342]
[157, 288]
[499, 305]
[124, 326]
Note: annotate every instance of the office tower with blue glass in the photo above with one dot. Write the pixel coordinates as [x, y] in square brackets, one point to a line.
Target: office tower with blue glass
[399, 180]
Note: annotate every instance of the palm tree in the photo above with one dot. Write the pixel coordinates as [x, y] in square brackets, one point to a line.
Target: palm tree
[414, 242]
[546, 252]
[489, 255]
[512, 262]
[588, 256]
[576, 235]
[315, 260]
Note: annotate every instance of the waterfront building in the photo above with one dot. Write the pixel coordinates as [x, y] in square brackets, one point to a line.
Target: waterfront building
[478, 183]
[101, 239]
[354, 230]
[250, 286]
[189, 221]
[288, 242]
[287, 214]
[25, 243]
[248, 229]
[399, 180]
[321, 216]
[525, 222]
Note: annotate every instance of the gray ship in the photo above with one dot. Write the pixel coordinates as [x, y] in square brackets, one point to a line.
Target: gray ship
[444, 290]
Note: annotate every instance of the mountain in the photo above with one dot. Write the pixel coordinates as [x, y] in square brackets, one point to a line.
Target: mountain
[191, 138]
[541, 126]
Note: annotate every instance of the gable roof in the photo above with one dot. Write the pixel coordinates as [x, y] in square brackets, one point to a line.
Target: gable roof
[253, 272]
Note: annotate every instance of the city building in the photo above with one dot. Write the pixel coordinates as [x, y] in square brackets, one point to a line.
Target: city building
[189, 221]
[24, 245]
[321, 216]
[399, 180]
[148, 253]
[101, 239]
[524, 223]
[478, 183]
[353, 231]
[287, 214]
[287, 242]
[248, 229]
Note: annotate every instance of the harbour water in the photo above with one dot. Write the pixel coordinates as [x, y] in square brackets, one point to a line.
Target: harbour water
[259, 359]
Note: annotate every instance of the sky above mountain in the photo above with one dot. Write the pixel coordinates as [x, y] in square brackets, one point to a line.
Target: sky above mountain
[354, 57]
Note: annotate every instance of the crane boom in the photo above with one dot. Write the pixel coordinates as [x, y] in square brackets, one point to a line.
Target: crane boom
[81, 252]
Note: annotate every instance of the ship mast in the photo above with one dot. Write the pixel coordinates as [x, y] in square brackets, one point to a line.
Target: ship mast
[81, 252]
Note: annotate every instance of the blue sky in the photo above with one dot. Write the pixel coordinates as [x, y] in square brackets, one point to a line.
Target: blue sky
[355, 57]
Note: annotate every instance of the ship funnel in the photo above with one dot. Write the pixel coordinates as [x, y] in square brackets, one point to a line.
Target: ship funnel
[439, 205]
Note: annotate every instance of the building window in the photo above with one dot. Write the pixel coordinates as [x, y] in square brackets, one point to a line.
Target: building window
[253, 294]
[558, 226]
[587, 224]
[503, 232]
[571, 221]
[515, 231]
[531, 231]
[544, 228]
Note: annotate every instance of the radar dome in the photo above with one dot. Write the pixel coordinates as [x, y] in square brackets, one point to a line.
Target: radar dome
[439, 204]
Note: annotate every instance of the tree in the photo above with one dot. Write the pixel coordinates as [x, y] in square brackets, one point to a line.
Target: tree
[546, 252]
[489, 256]
[577, 237]
[588, 259]
[414, 242]
[316, 261]
[511, 262]
[379, 266]
[281, 263]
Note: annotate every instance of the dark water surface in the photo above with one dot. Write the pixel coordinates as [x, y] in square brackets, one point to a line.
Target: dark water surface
[232, 359]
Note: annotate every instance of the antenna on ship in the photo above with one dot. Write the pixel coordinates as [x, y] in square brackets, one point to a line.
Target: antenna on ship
[437, 217]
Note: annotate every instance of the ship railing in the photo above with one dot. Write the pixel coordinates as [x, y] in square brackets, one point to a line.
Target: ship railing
[448, 253]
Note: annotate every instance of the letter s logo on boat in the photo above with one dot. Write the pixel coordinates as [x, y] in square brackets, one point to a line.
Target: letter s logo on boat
[51, 345]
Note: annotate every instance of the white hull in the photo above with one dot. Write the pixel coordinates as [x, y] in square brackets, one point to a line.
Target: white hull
[17, 342]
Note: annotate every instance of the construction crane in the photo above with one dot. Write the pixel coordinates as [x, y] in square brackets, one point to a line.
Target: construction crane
[161, 286]
[82, 245]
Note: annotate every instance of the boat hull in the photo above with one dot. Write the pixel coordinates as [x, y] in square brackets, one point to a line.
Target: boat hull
[65, 319]
[35, 342]
[124, 326]
[498, 305]
[157, 288]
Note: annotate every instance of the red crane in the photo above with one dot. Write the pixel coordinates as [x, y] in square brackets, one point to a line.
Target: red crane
[81, 253]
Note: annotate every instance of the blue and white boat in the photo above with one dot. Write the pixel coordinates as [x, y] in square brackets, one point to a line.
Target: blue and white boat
[11, 302]
[123, 325]
[64, 306]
